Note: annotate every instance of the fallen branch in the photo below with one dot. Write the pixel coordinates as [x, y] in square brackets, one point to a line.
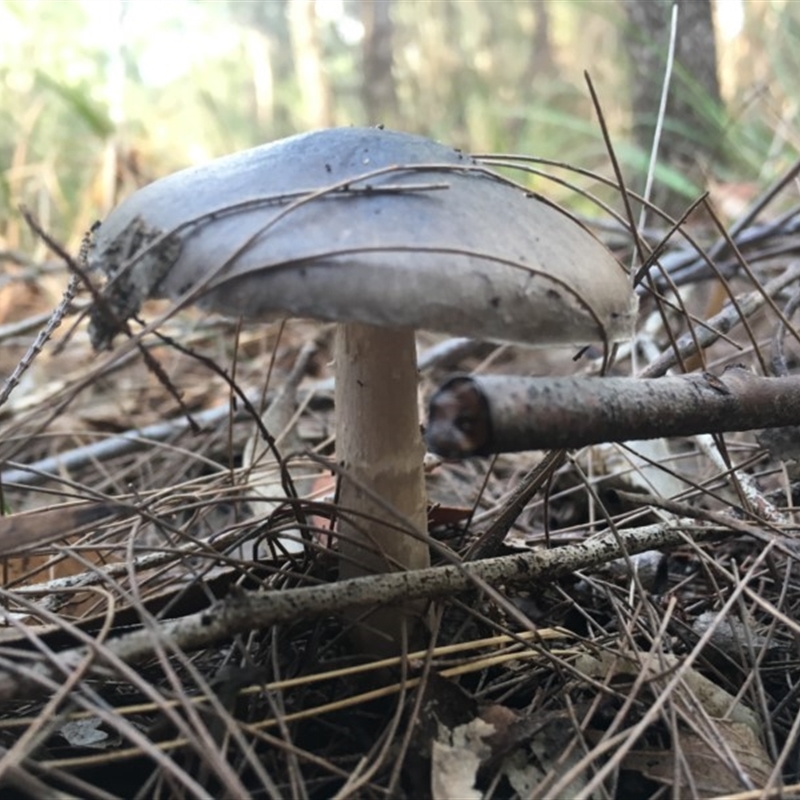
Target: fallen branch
[488, 414]
[247, 611]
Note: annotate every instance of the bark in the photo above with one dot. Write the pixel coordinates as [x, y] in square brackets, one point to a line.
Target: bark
[540, 67]
[271, 61]
[259, 53]
[504, 414]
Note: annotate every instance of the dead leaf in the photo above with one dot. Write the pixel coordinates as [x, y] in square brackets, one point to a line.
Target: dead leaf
[455, 759]
[85, 733]
[716, 702]
[710, 775]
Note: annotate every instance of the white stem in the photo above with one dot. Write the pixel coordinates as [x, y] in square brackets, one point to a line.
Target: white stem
[379, 445]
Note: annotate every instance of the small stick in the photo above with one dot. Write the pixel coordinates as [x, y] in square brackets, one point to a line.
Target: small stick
[53, 321]
[482, 415]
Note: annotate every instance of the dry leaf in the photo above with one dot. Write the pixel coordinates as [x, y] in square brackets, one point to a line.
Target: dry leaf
[710, 776]
[456, 757]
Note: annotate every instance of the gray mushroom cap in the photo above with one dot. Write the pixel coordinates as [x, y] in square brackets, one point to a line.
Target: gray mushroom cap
[415, 235]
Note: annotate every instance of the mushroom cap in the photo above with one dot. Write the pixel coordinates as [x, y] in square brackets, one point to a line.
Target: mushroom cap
[415, 235]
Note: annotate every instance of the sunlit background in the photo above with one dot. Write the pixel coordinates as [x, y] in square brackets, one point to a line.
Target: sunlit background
[100, 96]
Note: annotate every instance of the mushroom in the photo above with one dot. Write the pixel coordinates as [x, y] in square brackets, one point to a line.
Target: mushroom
[384, 233]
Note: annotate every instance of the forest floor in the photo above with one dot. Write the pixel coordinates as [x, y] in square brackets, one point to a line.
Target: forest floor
[129, 666]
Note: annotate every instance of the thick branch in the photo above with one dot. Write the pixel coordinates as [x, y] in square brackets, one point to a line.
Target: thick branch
[503, 414]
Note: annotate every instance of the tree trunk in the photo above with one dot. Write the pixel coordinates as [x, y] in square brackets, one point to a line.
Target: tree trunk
[378, 87]
[541, 60]
[692, 135]
[266, 24]
[311, 76]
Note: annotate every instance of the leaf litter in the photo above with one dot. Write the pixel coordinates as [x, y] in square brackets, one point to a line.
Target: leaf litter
[669, 674]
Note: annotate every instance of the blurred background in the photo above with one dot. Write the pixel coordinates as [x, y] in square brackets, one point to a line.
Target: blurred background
[100, 96]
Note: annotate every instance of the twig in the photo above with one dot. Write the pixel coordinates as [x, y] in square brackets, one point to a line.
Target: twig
[120, 444]
[490, 541]
[21, 532]
[777, 361]
[54, 320]
[23, 326]
[753, 496]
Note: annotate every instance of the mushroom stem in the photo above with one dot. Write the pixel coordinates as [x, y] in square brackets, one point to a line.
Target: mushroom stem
[379, 446]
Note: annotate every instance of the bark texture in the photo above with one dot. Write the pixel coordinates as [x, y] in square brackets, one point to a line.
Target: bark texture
[489, 414]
